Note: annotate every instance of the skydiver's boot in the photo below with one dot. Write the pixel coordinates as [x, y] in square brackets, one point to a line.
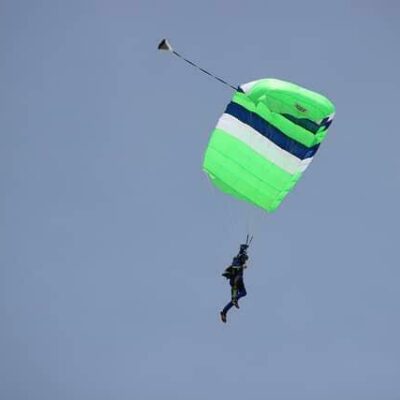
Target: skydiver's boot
[223, 317]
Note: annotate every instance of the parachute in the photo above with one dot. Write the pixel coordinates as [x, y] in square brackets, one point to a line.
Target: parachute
[265, 140]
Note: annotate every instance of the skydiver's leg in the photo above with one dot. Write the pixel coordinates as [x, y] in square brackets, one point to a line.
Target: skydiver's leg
[227, 307]
[234, 292]
[240, 291]
[237, 290]
[235, 286]
[225, 311]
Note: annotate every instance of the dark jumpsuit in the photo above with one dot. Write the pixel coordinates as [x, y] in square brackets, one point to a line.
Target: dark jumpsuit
[238, 290]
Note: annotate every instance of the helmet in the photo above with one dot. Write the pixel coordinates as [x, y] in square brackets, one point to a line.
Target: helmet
[243, 248]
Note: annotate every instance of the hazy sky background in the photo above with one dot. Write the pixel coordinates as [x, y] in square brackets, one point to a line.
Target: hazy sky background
[112, 240]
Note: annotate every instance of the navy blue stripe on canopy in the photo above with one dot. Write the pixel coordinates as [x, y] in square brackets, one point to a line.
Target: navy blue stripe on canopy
[269, 131]
[308, 124]
[326, 122]
[304, 123]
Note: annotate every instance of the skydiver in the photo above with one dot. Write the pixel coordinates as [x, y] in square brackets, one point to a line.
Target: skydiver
[235, 275]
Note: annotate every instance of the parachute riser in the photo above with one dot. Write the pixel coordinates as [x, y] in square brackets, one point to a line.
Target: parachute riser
[249, 239]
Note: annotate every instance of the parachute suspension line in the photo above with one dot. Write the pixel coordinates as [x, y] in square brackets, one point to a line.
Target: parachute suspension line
[223, 226]
[165, 45]
[254, 218]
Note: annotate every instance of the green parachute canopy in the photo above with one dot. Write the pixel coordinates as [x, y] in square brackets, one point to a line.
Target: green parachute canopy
[264, 141]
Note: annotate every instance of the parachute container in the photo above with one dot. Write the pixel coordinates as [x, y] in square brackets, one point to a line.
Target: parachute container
[265, 140]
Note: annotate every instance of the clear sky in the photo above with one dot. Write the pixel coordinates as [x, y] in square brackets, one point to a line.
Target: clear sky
[112, 240]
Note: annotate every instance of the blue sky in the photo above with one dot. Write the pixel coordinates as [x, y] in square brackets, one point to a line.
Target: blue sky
[112, 239]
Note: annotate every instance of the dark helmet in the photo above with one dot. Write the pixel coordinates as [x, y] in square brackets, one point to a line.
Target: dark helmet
[243, 248]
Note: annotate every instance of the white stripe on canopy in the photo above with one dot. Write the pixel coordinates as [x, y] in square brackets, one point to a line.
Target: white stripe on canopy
[262, 145]
[246, 87]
